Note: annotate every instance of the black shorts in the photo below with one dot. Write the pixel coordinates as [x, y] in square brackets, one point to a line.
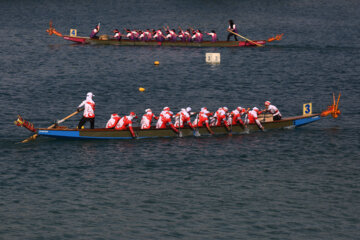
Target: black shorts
[277, 117]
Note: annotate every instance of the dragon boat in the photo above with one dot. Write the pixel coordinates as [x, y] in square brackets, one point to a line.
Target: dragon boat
[57, 131]
[105, 40]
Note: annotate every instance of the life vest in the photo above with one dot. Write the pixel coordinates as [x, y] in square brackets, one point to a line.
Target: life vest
[164, 119]
[113, 121]
[220, 117]
[203, 118]
[252, 116]
[124, 122]
[146, 120]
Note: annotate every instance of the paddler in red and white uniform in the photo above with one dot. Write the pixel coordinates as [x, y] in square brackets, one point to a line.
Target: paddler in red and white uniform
[252, 117]
[126, 122]
[89, 111]
[181, 36]
[187, 35]
[141, 36]
[147, 119]
[113, 121]
[273, 110]
[203, 118]
[183, 117]
[235, 116]
[198, 36]
[159, 36]
[173, 35]
[117, 35]
[220, 116]
[147, 35]
[165, 119]
[213, 36]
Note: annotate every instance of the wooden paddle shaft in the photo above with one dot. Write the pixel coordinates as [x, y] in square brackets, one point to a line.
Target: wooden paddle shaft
[245, 38]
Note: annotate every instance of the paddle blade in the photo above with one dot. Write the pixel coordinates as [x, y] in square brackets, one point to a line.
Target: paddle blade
[33, 137]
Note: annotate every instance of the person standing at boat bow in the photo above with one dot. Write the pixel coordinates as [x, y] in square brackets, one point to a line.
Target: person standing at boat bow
[89, 111]
[232, 27]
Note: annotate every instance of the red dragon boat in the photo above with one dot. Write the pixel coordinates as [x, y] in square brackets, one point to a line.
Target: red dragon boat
[105, 40]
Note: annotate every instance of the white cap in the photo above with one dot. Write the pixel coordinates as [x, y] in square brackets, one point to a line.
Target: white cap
[225, 109]
[148, 110]
[239, 108]
[90, 94]
[188, 109]
[166, 109]
[255, 108]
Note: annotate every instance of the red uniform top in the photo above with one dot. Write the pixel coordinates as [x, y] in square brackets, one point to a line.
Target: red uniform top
[113, 121]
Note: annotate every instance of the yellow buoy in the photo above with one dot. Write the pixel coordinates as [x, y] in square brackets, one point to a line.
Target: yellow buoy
[156, 62]
[141, 89]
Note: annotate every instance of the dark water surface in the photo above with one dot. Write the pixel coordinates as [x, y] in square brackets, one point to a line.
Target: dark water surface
[283, 184]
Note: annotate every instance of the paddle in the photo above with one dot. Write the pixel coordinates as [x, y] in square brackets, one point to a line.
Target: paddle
[33, 137]
[197, 134]
[180, 133]
[259, 45]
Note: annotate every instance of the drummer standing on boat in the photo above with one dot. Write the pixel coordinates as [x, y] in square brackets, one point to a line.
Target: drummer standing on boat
[232, 27]
[89, 111]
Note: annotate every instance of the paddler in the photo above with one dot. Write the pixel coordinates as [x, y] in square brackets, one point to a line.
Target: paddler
[164, 119]
[198, 36]
[235, 116]
[147, 119]
[173, 35]
[117, 35]
[273, 110]
[213, 35]
[159, 36]
[95, 31]
[203, 118]
[252, 117]
[183, 118]
[126, 122]
[147, 35]
[220, 116]
[232, 27]
[113, 121]
[181, 36]
[89, 111]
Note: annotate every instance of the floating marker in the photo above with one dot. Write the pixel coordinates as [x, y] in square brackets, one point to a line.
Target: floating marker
[156, 62]
[141, 89]
[212, 57]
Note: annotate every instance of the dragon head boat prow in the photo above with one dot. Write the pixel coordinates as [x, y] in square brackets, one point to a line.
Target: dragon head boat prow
[51, 30]
[333, 109]
[26, 124]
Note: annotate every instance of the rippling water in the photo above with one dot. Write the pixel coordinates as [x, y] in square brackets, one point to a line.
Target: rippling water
[283, 184]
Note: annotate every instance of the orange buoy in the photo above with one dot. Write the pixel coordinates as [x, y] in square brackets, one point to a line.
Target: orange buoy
[141, 89]
[156, 62]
